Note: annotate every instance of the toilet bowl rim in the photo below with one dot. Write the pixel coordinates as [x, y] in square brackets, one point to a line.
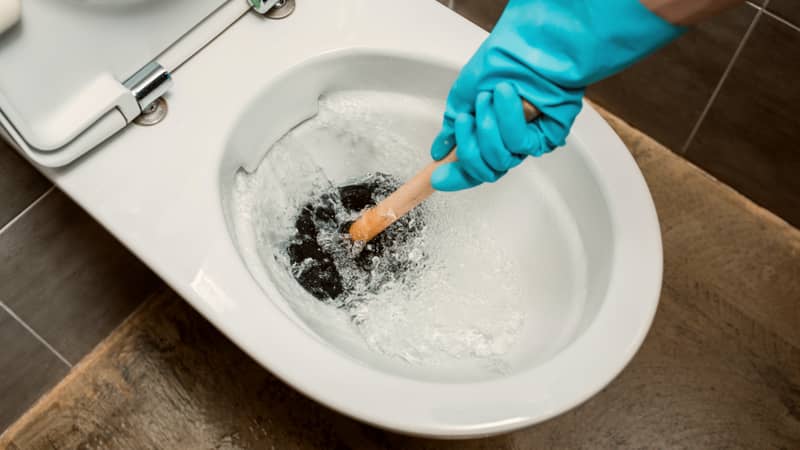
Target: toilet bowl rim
[633, 215]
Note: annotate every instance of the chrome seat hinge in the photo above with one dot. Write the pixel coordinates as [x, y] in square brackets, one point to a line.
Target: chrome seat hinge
[149, 84]
[262, 6]
[273, 9]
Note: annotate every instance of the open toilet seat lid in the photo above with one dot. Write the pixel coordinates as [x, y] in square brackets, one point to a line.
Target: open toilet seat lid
[64, 64]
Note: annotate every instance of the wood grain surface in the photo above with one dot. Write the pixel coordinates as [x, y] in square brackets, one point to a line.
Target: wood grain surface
[719, 369]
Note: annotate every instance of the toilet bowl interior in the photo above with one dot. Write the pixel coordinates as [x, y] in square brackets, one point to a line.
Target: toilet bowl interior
[357, 112]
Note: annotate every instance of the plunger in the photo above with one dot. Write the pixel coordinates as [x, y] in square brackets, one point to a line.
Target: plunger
[376, 219]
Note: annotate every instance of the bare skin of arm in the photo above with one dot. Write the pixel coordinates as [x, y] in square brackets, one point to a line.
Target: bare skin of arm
[688, 12]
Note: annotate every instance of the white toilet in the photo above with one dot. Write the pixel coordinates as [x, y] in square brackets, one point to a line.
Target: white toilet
[75, 74]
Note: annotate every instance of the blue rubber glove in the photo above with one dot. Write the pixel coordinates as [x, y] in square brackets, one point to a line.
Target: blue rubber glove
[547, 52]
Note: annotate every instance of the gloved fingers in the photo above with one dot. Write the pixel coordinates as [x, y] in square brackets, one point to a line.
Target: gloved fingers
[517, 160]
[519, 136]
[553, 134]
[444, 141]
[490, 142]
[469, 153]
[452, 177]
[555, 131]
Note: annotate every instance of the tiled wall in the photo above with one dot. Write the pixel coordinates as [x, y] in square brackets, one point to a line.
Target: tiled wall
[65, 283]
[726, 96]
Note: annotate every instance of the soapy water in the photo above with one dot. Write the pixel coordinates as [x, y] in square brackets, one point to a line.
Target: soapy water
[442, 290]
[329, 265]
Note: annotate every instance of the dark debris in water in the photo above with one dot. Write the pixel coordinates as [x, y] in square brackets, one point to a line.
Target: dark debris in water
[320, 274]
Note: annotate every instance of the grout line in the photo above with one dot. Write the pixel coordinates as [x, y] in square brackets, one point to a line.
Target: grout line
[27, 208]
[685, 148]
[782, 20]
[35, 334]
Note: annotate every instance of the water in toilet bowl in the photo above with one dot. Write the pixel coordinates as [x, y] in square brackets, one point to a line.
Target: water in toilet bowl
[446, 292]
[331, 267]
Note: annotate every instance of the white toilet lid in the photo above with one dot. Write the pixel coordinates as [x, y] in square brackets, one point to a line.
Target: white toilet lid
[63, 64]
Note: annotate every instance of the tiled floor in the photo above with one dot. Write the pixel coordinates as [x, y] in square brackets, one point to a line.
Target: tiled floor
[786, 9]
[20, 184]
[483, 13]
[27, 368]
[67, 277]
[65, 283]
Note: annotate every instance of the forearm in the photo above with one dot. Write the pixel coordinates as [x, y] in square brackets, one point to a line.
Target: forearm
[687, 12]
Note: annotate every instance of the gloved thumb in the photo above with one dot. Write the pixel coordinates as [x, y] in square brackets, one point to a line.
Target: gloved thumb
[444, 142]
[452, 177]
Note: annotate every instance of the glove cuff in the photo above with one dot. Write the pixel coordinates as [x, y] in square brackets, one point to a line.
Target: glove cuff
[599, 37]
[634, 26]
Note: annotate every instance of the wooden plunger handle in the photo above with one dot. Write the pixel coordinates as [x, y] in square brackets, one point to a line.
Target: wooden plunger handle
[409, 195]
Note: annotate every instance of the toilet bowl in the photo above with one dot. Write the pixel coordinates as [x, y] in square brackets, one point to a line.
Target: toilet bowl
[581, 219]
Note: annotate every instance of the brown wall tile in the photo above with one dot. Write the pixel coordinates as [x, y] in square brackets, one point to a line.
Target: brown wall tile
[67, 277]
[665, 94]
[20, 183]
[751, 136]
[787, 9]
[27, 369]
